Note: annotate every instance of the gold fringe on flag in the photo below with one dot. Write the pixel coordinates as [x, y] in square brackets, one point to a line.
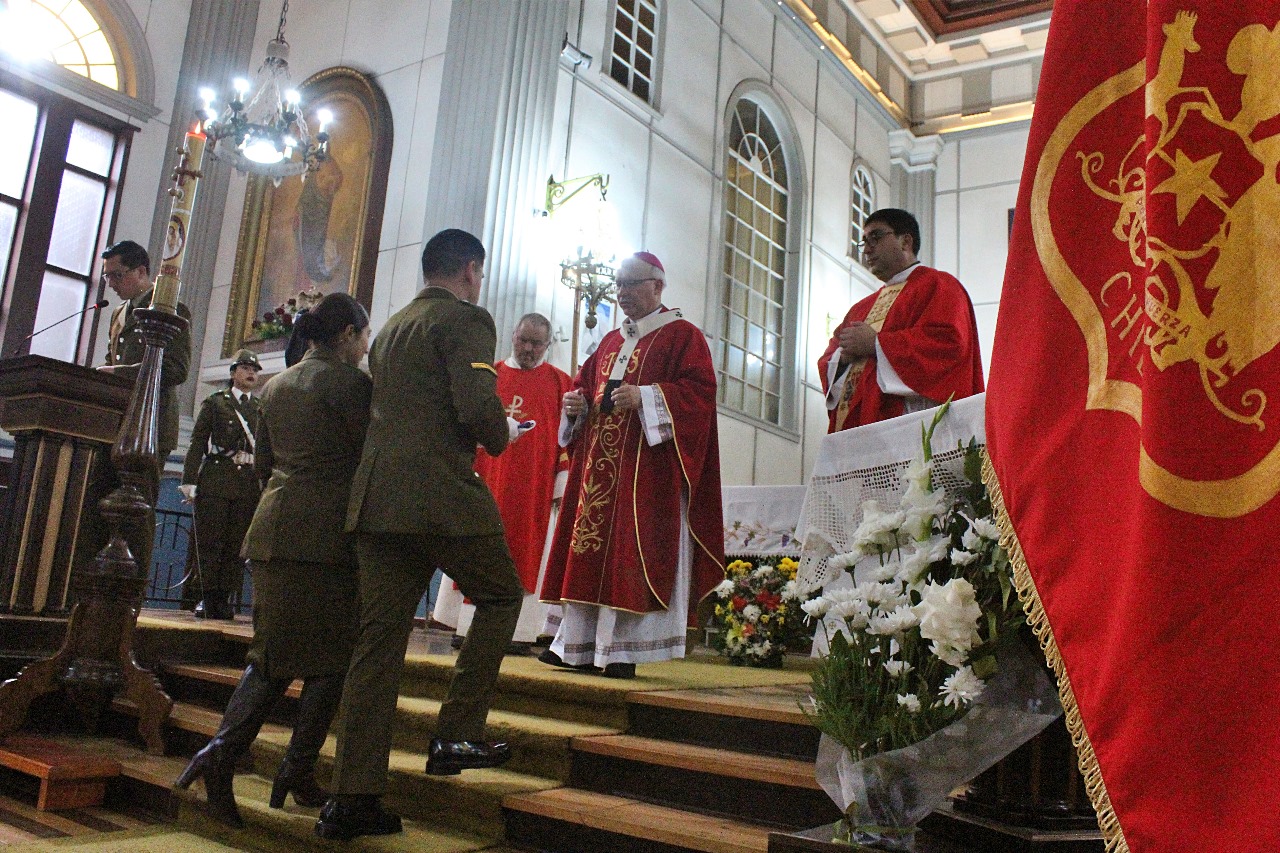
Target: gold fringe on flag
[1112, 833]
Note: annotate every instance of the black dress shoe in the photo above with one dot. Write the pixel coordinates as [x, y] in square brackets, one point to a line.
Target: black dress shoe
[552, 659]
[620, 670]
[451, 757]
[347, 819]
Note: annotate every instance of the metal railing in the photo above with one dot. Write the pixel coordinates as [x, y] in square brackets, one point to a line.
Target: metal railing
[170, 563]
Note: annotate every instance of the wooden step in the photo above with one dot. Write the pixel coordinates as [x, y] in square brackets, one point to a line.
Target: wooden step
[779, 792]
[739, 765]
[569, 820]
[767, 720]
[227, 676]
[70, 776]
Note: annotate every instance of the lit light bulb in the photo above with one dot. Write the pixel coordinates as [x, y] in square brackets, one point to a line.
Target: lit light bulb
[325, 117]
[293, 97]
[241, 86]
[263, 151]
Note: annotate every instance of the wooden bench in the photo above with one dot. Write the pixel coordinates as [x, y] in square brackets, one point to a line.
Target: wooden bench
[70, 778]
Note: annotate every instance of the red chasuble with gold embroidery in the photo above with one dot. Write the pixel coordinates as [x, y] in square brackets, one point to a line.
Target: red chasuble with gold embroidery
[618, 541]
[523, 477]
[927, 330]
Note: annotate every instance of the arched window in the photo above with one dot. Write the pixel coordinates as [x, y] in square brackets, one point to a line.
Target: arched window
[60, 165]
[633, 51]
[757, 323]
[863, 200]
[65, 32]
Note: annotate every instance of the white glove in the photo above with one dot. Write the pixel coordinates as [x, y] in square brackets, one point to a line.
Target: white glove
[516, 428]
[188, 491]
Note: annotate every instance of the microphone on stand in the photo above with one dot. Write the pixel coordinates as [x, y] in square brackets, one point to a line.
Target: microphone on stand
[100, 304]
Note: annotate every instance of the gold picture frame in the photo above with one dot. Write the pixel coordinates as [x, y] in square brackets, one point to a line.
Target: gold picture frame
[322, 232]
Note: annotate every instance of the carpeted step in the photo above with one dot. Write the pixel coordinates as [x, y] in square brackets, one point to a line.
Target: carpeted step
[780, 792]
[568, 820]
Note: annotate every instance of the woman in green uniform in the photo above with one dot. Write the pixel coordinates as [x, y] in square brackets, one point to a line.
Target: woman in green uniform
[314, 417]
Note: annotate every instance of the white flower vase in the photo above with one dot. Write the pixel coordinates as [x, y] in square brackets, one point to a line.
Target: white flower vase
[886, 795]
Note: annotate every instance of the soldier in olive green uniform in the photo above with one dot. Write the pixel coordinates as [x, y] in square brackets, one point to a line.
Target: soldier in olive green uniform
[416, 504]
[304, 569]
[219, 477]
[126, 268]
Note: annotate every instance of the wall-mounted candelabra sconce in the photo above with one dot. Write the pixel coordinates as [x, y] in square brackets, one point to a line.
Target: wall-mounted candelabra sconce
[559, 192]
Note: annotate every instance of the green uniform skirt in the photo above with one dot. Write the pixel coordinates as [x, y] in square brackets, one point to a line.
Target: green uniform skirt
[305, 617]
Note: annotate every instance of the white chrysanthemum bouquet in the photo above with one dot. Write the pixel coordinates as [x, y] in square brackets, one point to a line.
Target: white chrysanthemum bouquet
[913, 641]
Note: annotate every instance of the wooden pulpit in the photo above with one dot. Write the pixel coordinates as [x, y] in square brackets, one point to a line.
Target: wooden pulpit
[64, 418]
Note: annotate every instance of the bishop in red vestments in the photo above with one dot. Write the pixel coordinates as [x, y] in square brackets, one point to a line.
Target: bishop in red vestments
[910, 345]
[528, 478]
[641, 540]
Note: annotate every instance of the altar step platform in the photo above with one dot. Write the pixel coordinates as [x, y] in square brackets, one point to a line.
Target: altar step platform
[691, 755]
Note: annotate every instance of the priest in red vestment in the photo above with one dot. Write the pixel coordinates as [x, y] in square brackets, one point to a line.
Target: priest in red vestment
[641, 539]
[527, 480]
[909, 346]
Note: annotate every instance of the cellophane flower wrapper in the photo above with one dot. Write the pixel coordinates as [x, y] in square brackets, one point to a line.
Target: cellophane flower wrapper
[884, 796]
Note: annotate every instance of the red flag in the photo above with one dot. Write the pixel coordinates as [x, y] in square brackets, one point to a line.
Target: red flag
[1133, 412]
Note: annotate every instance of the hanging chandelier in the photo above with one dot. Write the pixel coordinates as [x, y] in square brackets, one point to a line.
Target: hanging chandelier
[262, 129]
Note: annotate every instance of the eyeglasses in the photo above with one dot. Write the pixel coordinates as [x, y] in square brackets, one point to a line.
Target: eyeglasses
[632, 283]
[115, 275]
[874, 237]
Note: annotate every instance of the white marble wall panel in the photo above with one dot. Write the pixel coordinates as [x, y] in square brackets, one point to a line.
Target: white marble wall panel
[992, 158]
[401, 89]
[947, 177]
[837, 107]
[737, 452]
[437, 28]
[779, 461]
[711, 7]
[165, 25]
[678, 229]
[421, 133]
[316, 35]
[813, 428]
[873, 143]
[383, 35]
[946, 233]
[751, 25]
[404, 279]
[736, 66]
[984, 243]
[803, 123]
[688, 104]
[830, 296]
[796, 67]
[832, 171]
[606, 139]
[1012, 83]
[383, 292]
[597, 32]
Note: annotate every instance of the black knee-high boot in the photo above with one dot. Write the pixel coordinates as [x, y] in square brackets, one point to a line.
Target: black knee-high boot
[252, 701]
[316, 710]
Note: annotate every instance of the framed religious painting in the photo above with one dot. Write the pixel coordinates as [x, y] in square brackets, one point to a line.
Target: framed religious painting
[303, 238]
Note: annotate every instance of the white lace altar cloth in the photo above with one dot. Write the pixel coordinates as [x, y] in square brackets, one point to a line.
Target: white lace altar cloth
[760, 521]
[866, 463]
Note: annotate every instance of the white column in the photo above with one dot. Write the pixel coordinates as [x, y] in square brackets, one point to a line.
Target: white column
[491, 158]
[915, 179]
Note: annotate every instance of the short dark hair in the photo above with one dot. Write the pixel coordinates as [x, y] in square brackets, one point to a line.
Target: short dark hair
[130, 254]
[535, 319]
[326, 321]
[901, 222]
[448, 253]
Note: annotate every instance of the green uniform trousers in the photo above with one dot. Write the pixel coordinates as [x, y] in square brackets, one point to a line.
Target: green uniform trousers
[395, 570]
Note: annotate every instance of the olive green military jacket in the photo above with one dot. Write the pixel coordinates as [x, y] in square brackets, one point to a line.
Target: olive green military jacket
[216, 439]
[314, 417]
[126, 347]
[434, 399]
